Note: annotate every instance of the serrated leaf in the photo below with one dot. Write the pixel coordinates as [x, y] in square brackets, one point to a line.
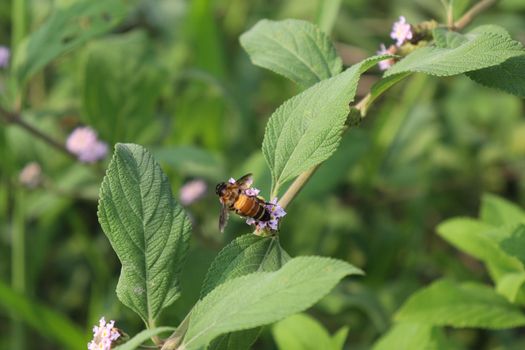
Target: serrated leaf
[508, 76]
[306, 129]
[479, 50]
[141, 337]
[295, 49]
[445, 303]
[263, 297]
[448, 39]
[66, 29]
[498, 211]
[147, 229]
[246, 254]
[412, 336]
[514, 244]
[301, 332]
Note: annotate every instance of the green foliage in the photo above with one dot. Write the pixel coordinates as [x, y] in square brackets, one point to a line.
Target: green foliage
[67, 28]
[306, 130]
[263, 297]
[500, 212]
[117, 70]
[412, 336]
[446, 303]
[303, 332]
[456, 54]
[147, 229]
[508, 76]
[141, 337]
[295, 49]
[46, 321]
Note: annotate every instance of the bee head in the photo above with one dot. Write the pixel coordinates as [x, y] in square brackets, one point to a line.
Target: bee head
[220, 188]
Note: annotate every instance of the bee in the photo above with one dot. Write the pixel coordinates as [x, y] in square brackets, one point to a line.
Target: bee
[233, 198]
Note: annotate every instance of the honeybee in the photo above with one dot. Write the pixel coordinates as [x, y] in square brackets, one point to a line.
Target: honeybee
[233, 197]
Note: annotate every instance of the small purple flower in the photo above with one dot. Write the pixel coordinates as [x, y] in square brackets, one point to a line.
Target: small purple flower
[401, 31]
[276, 213]
[103, 335]
[231, 180]
[192, 191]
[252, 192]
[5, 54]
[385, 64]
[31, 175]
[83, 142]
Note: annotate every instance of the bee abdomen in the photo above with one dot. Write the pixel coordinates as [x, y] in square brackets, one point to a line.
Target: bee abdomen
[262, 214]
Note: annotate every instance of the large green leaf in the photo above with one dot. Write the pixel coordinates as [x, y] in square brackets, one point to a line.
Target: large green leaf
[412, 336]
[508, 76]
[306, 129]
[147, 229]
[445, 303]
[303, 332]
[246, 254]
[293, 48]
[456, 54]
[46, 321]
[263, 297]
[66, 29]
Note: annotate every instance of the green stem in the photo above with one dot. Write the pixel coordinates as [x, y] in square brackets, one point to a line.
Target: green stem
[19, 15]
[18, 265]
[473, 13]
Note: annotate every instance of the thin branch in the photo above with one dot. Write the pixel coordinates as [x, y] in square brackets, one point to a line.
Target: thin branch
[473, 12]
[14, 118]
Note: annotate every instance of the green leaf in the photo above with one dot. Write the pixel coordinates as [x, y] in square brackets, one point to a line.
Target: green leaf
[141, 337]
[476, 50]
[241, 340]
[479, 240]
[301, 332]
[327, 14]
[122, 84]
[445, 303]
[66, 29]
[306, 129]
[508, 76]
[247, 254]
[43, 319]
[339, 338]
[263, 297]
[498, 211]
[412, 336]
[295, 49]
[514, 245]
[147, 229]
[510, 284]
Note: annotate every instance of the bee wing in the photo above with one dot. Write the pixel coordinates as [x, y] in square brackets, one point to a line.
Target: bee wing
[245, 182]
[223, 217]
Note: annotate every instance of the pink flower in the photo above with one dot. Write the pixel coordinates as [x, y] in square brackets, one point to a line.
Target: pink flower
[31, 175]
[401, 31]
[5, 54]
[385, 64]
[103, 335]
[192, 191]
[252, 192]
[83, 142]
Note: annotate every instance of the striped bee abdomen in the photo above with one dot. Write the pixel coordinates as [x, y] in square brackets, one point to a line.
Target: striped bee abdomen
[251, 207]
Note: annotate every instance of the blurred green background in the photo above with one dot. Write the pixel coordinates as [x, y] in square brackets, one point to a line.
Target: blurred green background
[172, 76]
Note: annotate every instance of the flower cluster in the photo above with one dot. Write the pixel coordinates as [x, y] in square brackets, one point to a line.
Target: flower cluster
[192, 191]
[84, 143]
[31, 175]
[401, 32]
[5, 54]
[103, 335]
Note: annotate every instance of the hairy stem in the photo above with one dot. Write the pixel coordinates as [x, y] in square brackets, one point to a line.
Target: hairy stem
[473, 12]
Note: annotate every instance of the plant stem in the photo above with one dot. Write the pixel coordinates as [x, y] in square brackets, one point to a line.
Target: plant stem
[18, 265]
[473, 12]
[19, 14]
[15, 118]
